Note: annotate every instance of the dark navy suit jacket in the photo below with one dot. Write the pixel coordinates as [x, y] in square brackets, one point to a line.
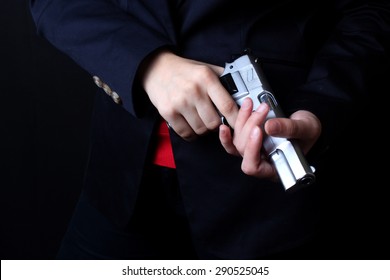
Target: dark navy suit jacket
[319, 56]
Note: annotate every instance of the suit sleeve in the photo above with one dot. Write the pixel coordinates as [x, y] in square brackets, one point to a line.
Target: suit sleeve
[109, 39]
[349, 68]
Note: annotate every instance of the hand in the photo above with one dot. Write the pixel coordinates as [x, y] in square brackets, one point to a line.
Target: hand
[187, 93]
[303, 126]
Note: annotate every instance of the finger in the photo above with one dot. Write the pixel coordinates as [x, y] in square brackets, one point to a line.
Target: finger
[224, 102]
[298, 126]
[217, 69]
[181, 127]
[303, 126]
[243, 114]
[246, 121]
[281, 127]
[202, 118]
[226, 139]
[209, 115]
[193, 119]
[308, 123]
[253, 164]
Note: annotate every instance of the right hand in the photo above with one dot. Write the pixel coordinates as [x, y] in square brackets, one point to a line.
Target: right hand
[187, 93]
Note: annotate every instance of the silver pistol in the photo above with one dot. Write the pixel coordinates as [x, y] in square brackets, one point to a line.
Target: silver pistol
[244, 78]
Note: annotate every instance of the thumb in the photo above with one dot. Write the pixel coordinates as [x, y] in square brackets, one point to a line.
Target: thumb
[282, 127]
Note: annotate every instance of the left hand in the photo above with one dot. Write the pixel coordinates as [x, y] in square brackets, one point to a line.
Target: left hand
[247, 139]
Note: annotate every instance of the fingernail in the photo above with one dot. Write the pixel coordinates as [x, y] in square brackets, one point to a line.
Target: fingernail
[274, 127]
[246, 103]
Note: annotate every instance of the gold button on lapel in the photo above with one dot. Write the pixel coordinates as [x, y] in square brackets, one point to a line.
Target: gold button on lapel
[97, 81]
[115, 97]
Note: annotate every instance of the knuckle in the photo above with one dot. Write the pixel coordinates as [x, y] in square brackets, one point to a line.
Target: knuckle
[190, 87]
[187, 135]
[228, 107]
[213, 124]
[201, 130]
[205, 73]
[248, 169]
[167, 112]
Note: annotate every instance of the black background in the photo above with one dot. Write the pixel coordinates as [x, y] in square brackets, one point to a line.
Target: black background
[45, 113]
[46, 104]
